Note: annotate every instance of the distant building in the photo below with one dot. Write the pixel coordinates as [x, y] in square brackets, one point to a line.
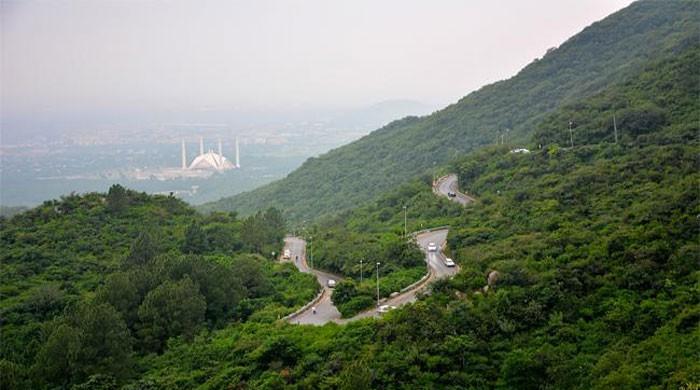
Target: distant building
[209, 161]
[521, 150]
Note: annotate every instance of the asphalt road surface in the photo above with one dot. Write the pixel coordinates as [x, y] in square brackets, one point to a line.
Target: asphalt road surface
[438, 270]
[325, 310]
[436, 260]
[447, 184]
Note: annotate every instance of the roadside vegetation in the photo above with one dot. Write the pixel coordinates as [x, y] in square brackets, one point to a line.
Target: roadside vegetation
[92, 285]
[579, 266]
[596, 255]
[352, 243]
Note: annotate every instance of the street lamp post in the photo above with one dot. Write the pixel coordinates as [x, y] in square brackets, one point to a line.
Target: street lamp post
[571, 133]
[434, 175]
[311, 251]
[404, 221]
[361, 260]
[378, 284]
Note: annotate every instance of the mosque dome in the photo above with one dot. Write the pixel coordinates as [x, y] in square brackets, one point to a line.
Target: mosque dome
[211, 161]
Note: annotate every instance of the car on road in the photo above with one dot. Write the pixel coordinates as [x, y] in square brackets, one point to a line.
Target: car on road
[451, 194]
[331, 283]
[449, 262]
[432, 247]
[385, 308]
[287, 254]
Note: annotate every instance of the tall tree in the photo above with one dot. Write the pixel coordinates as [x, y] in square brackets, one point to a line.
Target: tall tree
[143, 250]
[171, 309]
[91, 340]
[117, 198]
[195, 240]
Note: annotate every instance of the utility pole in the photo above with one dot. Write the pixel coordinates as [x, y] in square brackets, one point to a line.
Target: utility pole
[311, 250]
[404, 222]
[571, 133]
[378, 284]
[615, 126]
[361, 260]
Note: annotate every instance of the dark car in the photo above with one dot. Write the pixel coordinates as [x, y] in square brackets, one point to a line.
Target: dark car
[451, 194]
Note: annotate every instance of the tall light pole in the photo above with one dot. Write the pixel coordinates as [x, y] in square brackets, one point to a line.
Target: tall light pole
[311, 250]
[378, 283]
[571, 133]
[361, 260]
[404, 221]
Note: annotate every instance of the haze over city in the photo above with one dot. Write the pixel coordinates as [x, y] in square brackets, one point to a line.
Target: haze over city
[75, 64]
[327, 194]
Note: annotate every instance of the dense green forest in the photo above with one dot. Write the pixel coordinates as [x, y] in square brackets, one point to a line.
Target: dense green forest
[579, 265]
[92, 285]
[596, 255]
[606, 52]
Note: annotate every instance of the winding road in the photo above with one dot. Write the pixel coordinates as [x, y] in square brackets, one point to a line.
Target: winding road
[447, 184]
[327, 312]
[436, 267]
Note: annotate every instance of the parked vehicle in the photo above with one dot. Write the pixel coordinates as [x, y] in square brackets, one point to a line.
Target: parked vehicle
[385, 308]
[451, 194]
[287, 254]
[331, 283]
[432, 247]
[449, 262]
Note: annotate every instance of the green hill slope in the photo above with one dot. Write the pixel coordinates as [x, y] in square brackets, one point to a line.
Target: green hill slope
[596, 249]
[607, 51]
[92, 284]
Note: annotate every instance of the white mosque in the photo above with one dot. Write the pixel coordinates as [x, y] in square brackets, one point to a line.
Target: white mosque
[209, 161]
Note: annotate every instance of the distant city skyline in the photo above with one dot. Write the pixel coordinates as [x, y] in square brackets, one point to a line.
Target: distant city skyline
[74, 61]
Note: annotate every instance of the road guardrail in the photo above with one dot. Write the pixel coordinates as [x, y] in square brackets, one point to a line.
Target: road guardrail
[304, 308]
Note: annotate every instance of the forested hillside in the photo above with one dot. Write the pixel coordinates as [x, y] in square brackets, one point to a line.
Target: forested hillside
[578, 263]
[592, 253]
[374, 234]
[93, 284]
[607, 52]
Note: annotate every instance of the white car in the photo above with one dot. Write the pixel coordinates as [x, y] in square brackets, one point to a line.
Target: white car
[385, 308]
[449, 262]
[331, 283]
[287, 254]
[432, 247]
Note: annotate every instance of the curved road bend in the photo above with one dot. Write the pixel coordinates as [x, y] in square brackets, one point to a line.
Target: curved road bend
[449, 183]
[325, 310]
[438, 270]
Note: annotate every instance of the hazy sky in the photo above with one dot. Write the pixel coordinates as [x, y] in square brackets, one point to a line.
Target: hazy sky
[84, 56]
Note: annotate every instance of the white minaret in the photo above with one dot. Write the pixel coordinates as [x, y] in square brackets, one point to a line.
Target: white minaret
[220, 154]
[184, 155]
[238, 159]
[201, 146]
